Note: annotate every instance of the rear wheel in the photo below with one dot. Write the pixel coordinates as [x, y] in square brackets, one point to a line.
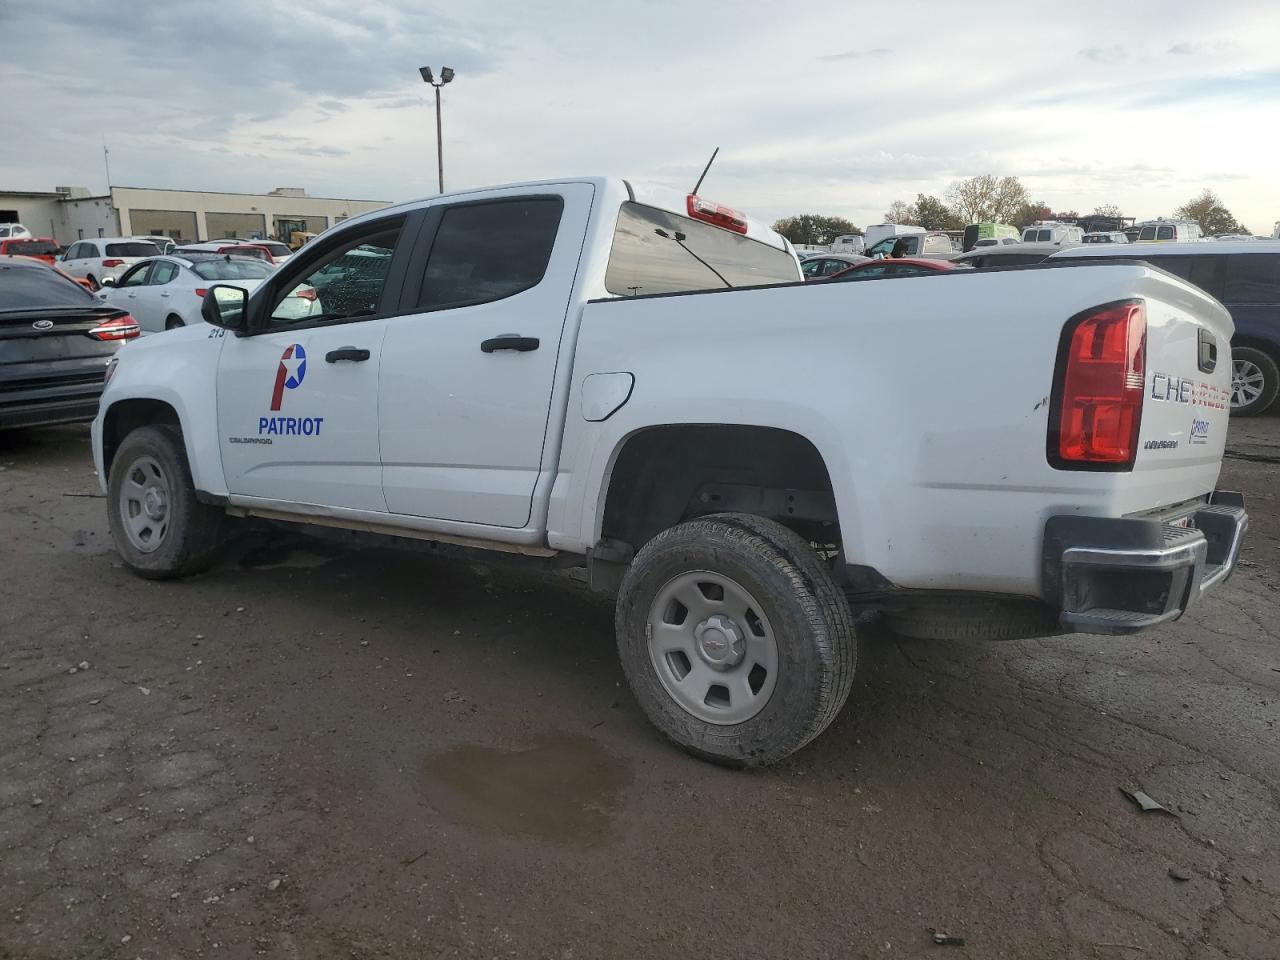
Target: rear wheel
[734, 639]
[93, 282]
[174, 322]
[159, 526]
[1255, 380]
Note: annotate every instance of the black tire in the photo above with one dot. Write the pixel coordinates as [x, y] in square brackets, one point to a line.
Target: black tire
[817, 648]
[173, 322]
[958, 618]
[93, 282]
[1270, 381]
[193, 532]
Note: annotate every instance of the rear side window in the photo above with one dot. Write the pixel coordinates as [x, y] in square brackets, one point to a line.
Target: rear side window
[687, 255]
[488, 251]
[1252, 278]
[133, 248]
[231, 270]
[1202, 271]
[1164, 233]
[163, 272]
[32, 286]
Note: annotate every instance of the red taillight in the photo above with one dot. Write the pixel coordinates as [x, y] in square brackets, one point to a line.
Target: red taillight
[1097, 403]
[717, 214]
[119, 328]
[305, 293]
[201, 291]
[113, 263]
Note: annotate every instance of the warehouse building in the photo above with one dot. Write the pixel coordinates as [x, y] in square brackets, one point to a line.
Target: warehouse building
[73, 213]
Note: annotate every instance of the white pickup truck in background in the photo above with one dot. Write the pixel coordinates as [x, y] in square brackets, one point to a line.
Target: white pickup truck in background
[573, 371]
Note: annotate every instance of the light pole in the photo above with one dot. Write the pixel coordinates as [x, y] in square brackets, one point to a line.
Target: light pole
[446, 74]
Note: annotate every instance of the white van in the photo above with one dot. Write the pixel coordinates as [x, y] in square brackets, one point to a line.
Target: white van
[1053, 231]
[878, 231]
[1161, 230]
[848, 243]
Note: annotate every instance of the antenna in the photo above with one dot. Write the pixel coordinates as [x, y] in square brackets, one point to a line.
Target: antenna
[705, 169]
[106, 161]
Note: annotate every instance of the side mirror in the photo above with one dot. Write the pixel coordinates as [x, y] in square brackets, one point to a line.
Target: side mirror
[108, 281]
[225, 306]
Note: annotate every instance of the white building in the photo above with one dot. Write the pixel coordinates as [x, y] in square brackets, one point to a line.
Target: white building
[71, 213]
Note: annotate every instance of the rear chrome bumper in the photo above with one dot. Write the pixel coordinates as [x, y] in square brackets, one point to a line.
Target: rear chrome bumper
[1122, 575]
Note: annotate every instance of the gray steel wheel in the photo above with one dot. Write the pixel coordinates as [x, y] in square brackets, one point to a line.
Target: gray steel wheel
[712, 646]
[143, 503]
[1247, 382]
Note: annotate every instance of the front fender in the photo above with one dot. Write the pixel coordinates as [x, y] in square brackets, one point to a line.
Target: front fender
[178, 368]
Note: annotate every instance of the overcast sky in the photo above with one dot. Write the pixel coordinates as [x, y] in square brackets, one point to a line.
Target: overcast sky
[835, 108]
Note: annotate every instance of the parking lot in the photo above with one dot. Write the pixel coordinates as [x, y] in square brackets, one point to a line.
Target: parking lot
[316, 752]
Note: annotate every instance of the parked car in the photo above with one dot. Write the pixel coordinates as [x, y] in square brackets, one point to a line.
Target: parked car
[104, 259]
[1168, 231]
[279, 252]
[8, 230]
[1106, 236]
[824, 264]
[38, 248]
[1008, 255]
[55, 342]
[1244, 275]
[163, 244]
[900, 267]
[164, 293]
[922, 244]
[601, 373]
[1053, 231]
[987, 234]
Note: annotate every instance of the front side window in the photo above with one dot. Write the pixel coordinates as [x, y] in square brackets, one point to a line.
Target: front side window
[1148, 233]
[136, 277]
[655, 251]
[488, 251]
[865, 273]
[346, 283]
[1253, 278]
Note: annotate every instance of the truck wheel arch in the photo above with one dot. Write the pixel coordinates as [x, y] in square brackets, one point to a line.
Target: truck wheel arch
[125, 416]
[663, 475]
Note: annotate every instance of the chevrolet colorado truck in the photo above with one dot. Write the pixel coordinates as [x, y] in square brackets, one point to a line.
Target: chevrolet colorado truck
[632, 380]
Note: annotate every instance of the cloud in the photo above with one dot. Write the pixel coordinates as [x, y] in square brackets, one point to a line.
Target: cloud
[333, 106]
[1112, 54]
[1201, 47]
[857, 54]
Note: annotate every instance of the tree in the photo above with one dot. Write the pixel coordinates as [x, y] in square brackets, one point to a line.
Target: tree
[813, 229]
[1029, 213]
[1209, 211]
[900, 212]
[932, 214]
[1107, 210]
[987, 198]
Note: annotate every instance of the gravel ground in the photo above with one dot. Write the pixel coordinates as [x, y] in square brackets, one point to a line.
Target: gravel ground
[316, 752]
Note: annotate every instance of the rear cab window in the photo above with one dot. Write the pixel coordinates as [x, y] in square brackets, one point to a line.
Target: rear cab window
[655, 251]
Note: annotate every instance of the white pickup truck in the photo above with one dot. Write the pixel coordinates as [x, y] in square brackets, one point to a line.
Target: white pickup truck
[591, 372]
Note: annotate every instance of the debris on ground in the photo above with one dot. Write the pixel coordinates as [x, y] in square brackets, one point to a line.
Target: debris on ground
[947, 940]
[1146, 803]
[145, 691]
[1178, 874]
[274, 884]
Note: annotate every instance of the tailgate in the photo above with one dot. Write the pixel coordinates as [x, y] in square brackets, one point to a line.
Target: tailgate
[1187, 396]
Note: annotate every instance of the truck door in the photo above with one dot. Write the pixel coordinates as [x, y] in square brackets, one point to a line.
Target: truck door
[468, 371]
[298, 395]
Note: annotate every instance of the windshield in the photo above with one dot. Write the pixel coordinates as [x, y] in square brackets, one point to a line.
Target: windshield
[133, 248]
[224, 269]
[23, 287]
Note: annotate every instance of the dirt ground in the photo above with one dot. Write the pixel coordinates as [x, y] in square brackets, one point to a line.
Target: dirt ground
[315, 752]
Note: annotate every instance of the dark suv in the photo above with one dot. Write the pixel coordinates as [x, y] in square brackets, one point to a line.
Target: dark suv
[1244, 275]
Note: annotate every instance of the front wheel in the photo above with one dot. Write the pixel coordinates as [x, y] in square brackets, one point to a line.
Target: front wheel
[734, 639]
[159, 526]
[1255, 380]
